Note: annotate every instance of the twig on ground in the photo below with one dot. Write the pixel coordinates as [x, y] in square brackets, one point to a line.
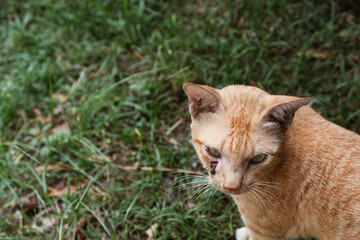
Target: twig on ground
[133, 168]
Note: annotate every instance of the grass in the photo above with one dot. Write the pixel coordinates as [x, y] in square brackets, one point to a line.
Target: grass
[82, 81]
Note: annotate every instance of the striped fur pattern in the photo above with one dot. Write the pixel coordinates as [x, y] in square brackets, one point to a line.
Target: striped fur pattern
[309, 182]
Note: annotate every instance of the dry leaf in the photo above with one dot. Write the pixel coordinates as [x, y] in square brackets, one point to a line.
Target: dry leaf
[91, 76]
[39, 115]
[316, 53]
[174, 142]
[44, 121]
[44, 222]
[52, 167]
[54, 192]
[29, 203]
[37, 112]
[63, 128]
[138, 55]
[60, 189]
[79, 235]
[116, 157]
[151, 231]
[100, 159]
[60, 97]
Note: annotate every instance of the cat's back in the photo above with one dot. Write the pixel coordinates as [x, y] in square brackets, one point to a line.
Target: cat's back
[319, 143]
[328, 162]
[320, 135]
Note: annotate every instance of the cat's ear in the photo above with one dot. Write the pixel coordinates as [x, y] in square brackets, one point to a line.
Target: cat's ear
[202, 99]
[282, 114]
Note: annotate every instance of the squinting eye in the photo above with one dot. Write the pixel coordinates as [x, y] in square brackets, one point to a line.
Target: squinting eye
[213, 152]
[258, 158]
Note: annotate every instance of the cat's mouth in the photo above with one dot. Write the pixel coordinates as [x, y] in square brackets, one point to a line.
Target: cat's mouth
[232, 191]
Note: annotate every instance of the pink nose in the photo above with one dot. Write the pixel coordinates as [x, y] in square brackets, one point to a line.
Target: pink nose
[232, 183]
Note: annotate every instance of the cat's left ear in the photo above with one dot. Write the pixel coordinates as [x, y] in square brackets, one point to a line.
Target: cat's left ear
[282, 114]
[202, 99]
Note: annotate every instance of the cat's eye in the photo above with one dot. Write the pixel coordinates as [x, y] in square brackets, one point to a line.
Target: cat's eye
[258, 158]
[213, 152]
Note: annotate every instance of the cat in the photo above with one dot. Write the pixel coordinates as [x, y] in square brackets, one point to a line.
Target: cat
[290, 172]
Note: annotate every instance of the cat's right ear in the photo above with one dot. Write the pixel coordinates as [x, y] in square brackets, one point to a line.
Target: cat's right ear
[282, 114]
[202, 99]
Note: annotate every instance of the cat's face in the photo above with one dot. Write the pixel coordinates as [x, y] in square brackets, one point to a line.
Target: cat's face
[238, 132]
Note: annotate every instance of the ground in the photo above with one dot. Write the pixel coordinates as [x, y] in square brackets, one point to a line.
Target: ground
[91, 100]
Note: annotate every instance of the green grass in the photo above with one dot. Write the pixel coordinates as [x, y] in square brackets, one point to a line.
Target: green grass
[121, 65]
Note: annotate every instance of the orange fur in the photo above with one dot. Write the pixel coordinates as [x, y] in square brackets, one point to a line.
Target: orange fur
[309, 184]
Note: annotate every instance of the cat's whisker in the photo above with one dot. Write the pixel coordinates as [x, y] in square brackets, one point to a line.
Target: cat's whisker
[275, 183]
[256, 192]
[212, 191]
[192, 175]
[264, 190]
[208, 188]
[263, 193]
[196, 192]
[200, 188]
[267, 185]
[188, 186]
[252, 197]
[179, 172]
[257, 197]
[184, 179]
[175, 181]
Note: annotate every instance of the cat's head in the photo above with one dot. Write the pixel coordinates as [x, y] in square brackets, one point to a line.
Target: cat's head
[238, 132]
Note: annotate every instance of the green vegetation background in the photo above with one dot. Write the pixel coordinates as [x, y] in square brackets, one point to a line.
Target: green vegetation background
[90, 86]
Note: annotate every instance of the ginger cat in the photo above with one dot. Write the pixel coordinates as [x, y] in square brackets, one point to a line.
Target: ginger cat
[291, 172]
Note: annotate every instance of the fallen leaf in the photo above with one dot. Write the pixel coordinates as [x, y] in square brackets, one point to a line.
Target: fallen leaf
[241, 23]
[315, 53]
[100, 159]
[43, 221]
[138, 55]
[60, 189]
[29, 203]
[60, 184]
[151, 232]
[253, 82]
[174, 142]
[46, 120]
[63, 128]
[54, 192]
[116, 157]
[91, 76]
[60, 97]
[37, 112]
[58, 109]
[55, 167]
[80, 224]
[39, 115]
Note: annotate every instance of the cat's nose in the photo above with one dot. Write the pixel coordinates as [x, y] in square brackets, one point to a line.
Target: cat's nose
[232, 183]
